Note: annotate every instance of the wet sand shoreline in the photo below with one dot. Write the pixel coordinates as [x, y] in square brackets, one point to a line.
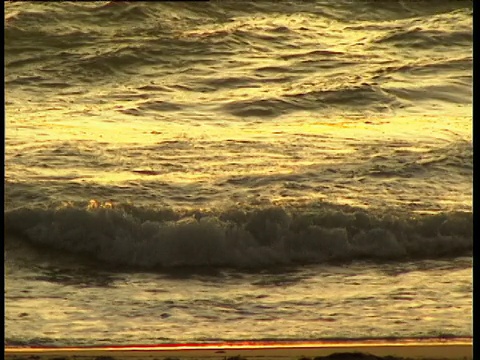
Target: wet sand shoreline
[328, 350]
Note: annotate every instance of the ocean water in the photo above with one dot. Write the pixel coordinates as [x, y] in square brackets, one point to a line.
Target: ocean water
[205, 171]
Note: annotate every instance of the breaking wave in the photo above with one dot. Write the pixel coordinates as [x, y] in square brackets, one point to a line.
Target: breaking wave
[148, 238]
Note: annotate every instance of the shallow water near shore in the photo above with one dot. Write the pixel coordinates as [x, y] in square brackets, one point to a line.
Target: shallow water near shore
[188, 172]
[82, 305]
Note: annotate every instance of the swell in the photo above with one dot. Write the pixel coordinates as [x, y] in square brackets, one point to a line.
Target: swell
[221, 48]
[247, 238]
[426, 38]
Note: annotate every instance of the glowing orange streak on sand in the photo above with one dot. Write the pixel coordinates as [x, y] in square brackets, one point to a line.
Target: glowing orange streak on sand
[254, 345]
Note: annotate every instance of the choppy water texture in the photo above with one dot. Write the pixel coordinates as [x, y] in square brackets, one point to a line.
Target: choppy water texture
[182, 171]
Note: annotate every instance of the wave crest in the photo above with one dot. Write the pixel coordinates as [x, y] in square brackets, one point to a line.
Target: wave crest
[241, 238]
